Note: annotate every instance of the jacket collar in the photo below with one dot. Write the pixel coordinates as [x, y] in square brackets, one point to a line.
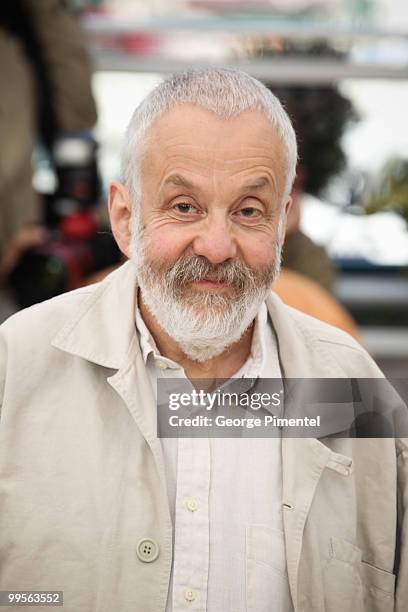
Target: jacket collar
[301, 353]
[102, 329]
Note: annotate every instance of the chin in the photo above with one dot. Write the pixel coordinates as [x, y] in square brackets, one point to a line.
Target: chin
[201, 352]
[207, 302]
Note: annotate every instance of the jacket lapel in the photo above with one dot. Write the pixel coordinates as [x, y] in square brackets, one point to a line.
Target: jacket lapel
[303, 459]
[131, 382]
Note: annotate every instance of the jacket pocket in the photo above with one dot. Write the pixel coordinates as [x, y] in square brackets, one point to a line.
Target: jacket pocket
[353, 584]
[267, 585]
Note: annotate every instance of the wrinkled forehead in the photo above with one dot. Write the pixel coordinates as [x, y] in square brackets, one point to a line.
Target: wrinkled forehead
[195, 135]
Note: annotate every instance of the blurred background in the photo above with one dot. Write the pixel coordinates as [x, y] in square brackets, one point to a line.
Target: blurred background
[71, 73]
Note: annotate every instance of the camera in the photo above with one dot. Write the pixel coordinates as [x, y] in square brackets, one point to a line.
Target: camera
[78, 244]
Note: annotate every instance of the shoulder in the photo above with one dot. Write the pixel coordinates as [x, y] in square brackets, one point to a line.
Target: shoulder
[322, 331]
[318, 338]
[43, 320]
[26, 352]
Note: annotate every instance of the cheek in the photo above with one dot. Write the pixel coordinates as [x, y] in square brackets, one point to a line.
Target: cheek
[259, 250]
[166, 244]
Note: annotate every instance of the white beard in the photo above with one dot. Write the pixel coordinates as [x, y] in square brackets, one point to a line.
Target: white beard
[202, 323]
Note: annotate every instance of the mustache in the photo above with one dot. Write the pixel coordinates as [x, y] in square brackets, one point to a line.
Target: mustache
[235, 273]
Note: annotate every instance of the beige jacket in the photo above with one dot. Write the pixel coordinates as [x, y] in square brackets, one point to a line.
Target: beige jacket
[82, 480]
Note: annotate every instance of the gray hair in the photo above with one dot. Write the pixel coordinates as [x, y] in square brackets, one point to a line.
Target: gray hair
[225, 92]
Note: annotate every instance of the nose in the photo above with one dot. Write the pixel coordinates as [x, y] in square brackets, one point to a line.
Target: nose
[215, 241]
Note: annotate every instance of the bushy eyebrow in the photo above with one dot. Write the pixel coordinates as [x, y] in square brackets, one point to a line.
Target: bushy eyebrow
[180, 181]
[258, 183]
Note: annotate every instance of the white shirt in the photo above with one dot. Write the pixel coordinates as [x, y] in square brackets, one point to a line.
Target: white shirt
[225, 497]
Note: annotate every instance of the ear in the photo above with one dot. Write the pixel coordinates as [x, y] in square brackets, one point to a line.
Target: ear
[285, 217]
[120, 214]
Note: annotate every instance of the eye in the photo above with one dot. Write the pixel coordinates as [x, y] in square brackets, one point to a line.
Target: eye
[185, 208]
[249, 212]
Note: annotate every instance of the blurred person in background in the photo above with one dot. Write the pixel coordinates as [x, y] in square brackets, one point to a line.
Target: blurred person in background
[45, 83]
[320, 116]
[308, 296]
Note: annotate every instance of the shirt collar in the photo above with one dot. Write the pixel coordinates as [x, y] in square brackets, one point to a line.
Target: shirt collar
[253, 366]
[147, 343]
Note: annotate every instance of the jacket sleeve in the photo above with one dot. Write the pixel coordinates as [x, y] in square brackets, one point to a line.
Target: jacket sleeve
[401, 565]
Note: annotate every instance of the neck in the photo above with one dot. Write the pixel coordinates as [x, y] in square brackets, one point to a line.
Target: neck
[224, 365]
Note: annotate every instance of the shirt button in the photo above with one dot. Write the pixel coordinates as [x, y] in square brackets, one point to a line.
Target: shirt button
[192, 505]
[147, 550]
[189, 595]
[161, 364]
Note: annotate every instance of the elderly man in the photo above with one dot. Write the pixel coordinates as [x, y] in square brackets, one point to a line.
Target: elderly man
[92, 502]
